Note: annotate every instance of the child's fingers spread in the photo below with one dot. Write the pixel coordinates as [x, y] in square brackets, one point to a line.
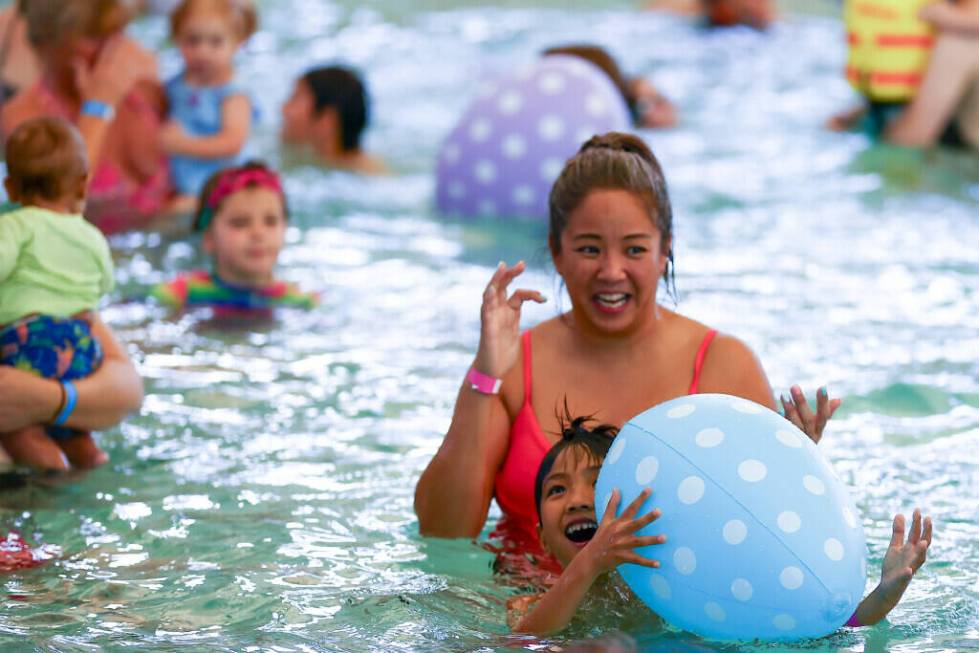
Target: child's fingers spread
[633, 508]
[897, 531]
[613, 506]
[647, 519]
[636, 559]
[646, 540]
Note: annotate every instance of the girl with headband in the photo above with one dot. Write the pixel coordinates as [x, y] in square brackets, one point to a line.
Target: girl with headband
[242, 214]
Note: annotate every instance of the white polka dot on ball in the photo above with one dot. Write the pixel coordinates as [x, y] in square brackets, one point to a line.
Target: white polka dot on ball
[485, 171]
[788, 438]
[741, 589]
[784, 622]
[690, 490]
[514, 146]
[833, 549]
[660, 587]
[735, 531]
[551, 83]
[791, 578]
[685, 560]
[550, 128]
[523, 194]
[550, 168]
[646, 470]
[510, 102]
[813, 485]
[709, 438]
[595, 104]
[747, 407]
[714, 611]
[615, 451]
[789, 521]
[752, 470]
[683, 410]
[480, 130]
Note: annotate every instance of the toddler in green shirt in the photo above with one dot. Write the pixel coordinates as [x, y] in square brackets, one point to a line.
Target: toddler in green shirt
[54, 267]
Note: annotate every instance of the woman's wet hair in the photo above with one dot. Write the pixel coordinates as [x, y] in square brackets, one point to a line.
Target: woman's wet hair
[575, 435]
[46, 159]
[341, 88]
[49, 22]
[600, 57]
[614, 161]
[241, 13]
[205, 208]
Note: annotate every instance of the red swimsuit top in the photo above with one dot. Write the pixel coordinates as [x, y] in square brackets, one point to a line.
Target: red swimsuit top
[514, 485]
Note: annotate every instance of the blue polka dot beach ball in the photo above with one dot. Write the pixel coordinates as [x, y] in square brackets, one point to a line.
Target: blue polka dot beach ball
[510, 145]
[763, 540]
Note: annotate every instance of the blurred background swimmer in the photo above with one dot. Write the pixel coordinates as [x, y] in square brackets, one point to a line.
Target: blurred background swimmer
[210, 114]
[722, 13]
[327, 113]
[105, 84]
[916, 62]
[647, 106]
[242, 214]
[19, 64]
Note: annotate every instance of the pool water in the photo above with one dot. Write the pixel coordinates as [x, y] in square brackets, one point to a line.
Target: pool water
[262, 500]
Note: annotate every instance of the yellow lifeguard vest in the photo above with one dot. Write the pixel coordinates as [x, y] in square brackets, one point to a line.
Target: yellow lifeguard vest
[889, 47]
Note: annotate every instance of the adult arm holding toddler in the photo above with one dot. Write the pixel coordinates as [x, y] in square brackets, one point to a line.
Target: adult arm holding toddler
[611, 242]
[104, 398]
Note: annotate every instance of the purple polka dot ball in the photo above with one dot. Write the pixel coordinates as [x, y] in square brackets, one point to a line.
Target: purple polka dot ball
[510, 145]
[763, 541]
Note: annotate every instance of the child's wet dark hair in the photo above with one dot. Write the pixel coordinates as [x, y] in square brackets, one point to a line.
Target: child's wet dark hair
[341, 88]
[575, 433]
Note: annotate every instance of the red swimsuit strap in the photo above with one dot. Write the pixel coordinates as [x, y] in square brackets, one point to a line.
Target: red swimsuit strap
[698, 362]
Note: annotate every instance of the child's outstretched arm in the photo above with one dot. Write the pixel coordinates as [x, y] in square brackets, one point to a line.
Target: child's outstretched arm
[614, 543]
[902, 560]
[236, 123]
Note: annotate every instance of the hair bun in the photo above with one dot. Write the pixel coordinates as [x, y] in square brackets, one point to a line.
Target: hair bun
[619, 142]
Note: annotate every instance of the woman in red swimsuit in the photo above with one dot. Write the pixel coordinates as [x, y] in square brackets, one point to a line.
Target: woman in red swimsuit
[105, 84]
[614, 354]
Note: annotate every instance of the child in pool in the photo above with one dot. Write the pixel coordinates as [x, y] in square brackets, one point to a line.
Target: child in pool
[210, 115]
[54, 267]
[242, 214]
[565, 494]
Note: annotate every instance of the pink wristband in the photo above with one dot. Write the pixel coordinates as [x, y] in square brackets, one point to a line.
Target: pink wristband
[480, 382]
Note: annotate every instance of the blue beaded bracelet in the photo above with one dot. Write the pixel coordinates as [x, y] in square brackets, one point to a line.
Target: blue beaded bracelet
[71, 397]
[98, 109]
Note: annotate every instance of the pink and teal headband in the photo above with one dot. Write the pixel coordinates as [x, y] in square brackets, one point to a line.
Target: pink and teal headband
[231, 181]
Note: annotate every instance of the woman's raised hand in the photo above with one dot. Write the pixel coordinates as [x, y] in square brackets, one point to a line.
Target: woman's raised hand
[119, 65]
[798, 412]
[615, 541]
[499, 335]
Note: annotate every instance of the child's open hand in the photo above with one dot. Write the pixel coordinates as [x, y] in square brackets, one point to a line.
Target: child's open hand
[615, 540]
[902, 560]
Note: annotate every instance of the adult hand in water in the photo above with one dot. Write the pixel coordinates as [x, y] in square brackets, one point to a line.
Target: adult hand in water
[798, 411]
[499, 334]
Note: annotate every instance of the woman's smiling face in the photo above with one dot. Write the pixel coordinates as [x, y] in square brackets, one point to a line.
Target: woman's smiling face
[611, 258]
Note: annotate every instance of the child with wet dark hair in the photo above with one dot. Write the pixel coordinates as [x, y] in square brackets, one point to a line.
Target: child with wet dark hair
[587, 549]
[54, 267]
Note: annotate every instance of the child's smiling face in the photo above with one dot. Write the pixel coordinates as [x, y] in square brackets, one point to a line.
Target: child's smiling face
[567, 509]
[246, 236]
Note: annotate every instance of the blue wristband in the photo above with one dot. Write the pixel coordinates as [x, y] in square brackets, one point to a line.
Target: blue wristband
[71, 397]
[98, 109]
